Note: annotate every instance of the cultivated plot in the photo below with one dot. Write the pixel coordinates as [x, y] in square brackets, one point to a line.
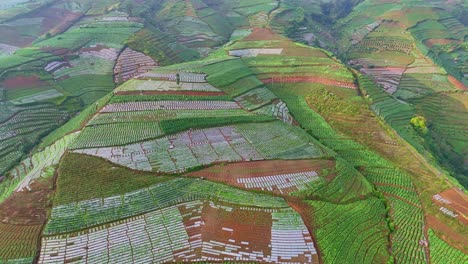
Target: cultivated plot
[243, 142]
[198, 230]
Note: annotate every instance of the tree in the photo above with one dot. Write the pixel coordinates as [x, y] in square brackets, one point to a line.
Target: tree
[419, 123]
[130, 8]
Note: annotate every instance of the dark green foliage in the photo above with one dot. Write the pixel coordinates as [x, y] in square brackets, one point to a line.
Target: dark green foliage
[179, 125]
[161, 46]
[76, 123]
[83, 177]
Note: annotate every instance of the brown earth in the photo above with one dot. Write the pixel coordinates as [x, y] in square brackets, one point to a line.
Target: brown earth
[230, 173]
[27, 207]
[309, 79]
[22, 216]
[189, 11]
[457, 83]
[11, 36]
[227, 224]
[459, 203]
[55, 51]
[98, 47]
[260, 168]
[23, 82]
[306, 213]
[57, 20]
[294, 50]
[251, 226]
[431, 42]
[454, 238]
[263, 34]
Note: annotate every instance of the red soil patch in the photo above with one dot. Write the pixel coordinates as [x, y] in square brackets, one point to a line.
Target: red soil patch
[309, 79]
[55, 51]
[27, 207]
[95, 48]
[226, 225]
[188, 93]
[12, 36]
[456, 239]
[22, 216]
[306, 213]
[263, 34]
[457, 83]
[431, 42]
[57, 20]
[458, 203]
[251, 226]
[230, 173]
[223, 228]
[23, 82]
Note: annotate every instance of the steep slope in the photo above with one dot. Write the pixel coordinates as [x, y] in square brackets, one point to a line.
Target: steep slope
[412, 50]
[59, 69]
[265, 151]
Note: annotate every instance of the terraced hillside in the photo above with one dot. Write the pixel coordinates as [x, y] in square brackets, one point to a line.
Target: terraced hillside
[64, 67]
[401, 46]
[199, 131]
[52, 73]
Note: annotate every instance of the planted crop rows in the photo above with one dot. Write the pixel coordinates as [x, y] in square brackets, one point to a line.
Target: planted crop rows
[26, 125]
[279, 110]
[198, 147]
[78, 215]
[169, 105]
[37, 166]
[402, 199]
[442, 253]
[278, 176]
[351, 233]
[159, 115]
[161, 86]
[255, 98]
[190, 231]
[132, 63]
[183, 77]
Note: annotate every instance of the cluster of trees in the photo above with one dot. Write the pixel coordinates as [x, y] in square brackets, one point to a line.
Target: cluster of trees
[333, 10]
[441, 149]
[419, 123]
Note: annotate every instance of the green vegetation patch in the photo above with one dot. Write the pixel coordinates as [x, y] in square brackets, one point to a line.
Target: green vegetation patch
[226, 72]
[162, 193]
[442, 253]
[83, 177]
[183, 124]
[351, 233]
[117, 134]
[167, 97]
